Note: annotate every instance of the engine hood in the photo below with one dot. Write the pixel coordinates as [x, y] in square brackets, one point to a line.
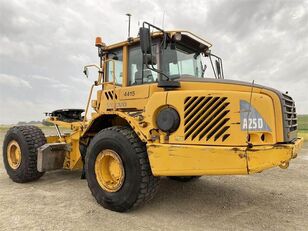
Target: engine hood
[227, 81]
[278, 97]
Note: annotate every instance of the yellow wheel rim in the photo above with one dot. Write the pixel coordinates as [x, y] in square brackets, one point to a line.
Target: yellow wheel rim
[14, 154]
[109, 170]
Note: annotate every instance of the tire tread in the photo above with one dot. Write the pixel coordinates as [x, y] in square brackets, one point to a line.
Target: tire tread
[34, 138]
[148, 183]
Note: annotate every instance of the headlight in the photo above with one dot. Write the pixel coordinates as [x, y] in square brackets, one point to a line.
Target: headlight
[168, 120]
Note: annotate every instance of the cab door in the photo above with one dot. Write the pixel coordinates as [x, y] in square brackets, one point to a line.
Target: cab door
[113, 80]
[136, 80]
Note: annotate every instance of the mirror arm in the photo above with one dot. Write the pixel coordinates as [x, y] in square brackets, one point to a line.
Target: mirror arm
[153, 69]
[220, 62]
[100, 70]
[151, 25]
[209, 54]
[222, 70]
[210, 57]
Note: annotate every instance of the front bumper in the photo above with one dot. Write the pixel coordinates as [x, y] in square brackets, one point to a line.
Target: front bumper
[193, 160]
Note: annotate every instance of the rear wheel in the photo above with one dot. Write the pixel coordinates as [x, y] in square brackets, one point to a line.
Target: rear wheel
[118, 170]
[184, 178]
[20, 153]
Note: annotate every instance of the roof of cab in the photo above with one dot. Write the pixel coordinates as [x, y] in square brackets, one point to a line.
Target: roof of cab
[158, 34]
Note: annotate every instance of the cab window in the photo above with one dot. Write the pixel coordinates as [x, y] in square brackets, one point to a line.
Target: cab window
[135, 71]
[180, 61]
[117, 57]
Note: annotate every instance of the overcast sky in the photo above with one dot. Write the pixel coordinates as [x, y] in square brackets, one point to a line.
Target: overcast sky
[44, 45]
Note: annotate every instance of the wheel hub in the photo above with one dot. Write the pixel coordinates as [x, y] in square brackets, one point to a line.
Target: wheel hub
[109, 170]
[14, 154]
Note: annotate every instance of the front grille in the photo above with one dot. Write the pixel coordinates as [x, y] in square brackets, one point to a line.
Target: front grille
[290, 117]
[206, 118]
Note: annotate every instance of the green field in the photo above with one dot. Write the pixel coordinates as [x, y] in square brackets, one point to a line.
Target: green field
[303, 126]
[302, 121]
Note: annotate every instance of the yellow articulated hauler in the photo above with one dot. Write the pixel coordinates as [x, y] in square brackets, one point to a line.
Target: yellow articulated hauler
[156, 113]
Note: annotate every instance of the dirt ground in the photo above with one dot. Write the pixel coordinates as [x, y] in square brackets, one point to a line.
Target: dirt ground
[274, 200]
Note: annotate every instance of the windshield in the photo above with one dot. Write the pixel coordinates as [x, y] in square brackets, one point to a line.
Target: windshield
[178, 61]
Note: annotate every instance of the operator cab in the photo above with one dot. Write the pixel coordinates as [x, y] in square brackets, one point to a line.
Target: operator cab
[162, 57]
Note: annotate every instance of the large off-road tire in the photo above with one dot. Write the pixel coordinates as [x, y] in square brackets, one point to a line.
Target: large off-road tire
[118, 170]
[184, 178]
[20, 153]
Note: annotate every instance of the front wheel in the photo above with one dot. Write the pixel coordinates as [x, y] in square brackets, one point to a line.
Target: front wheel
[118, 170]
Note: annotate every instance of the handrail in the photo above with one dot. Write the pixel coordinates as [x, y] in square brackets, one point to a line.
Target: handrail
[88, 103]
[98, 83]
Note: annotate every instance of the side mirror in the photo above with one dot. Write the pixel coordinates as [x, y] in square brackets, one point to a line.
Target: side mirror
[218, 69]
[203, 68]
[145, 40]
[86, 72]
